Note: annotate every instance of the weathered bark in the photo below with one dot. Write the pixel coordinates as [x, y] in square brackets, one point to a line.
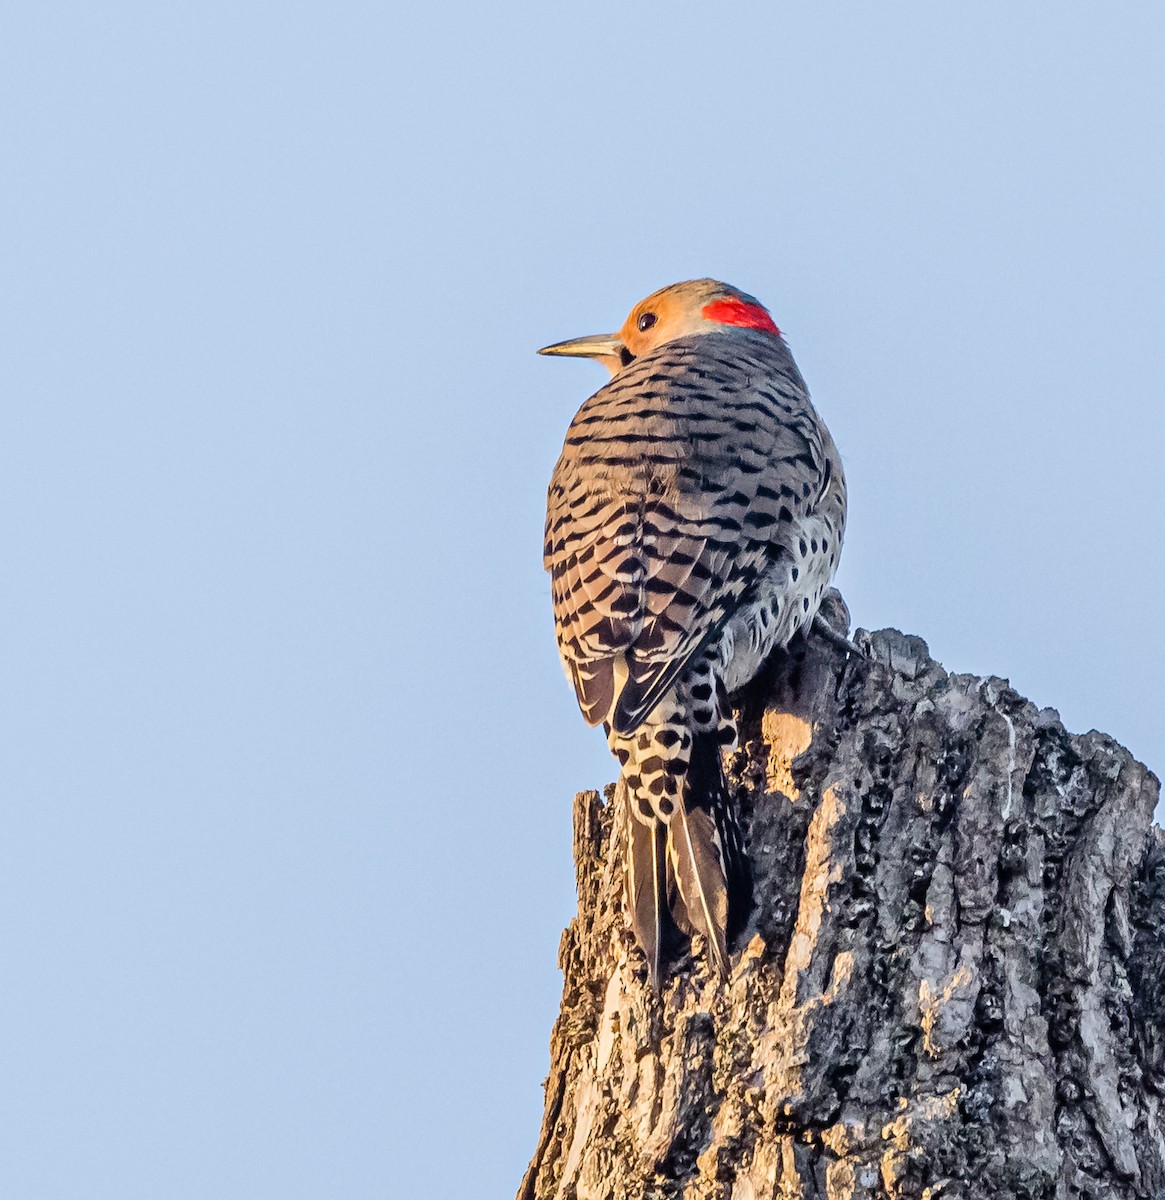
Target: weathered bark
[952, 982]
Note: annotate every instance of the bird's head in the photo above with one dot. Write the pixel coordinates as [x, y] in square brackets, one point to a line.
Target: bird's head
[695, 306]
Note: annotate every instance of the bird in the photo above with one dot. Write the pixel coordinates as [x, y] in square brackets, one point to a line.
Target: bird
[694, 521]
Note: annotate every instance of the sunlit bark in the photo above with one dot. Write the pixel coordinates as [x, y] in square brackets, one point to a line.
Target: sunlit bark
[952, 982]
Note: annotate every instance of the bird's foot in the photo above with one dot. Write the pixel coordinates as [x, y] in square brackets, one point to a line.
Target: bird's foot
[838, 640]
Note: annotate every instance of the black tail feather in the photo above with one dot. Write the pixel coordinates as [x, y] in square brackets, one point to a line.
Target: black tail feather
[708, 855]
[739, 877]
[700, 879]
[647, 891]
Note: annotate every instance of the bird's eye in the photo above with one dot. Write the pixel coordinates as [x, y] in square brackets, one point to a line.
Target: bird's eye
[646, 321]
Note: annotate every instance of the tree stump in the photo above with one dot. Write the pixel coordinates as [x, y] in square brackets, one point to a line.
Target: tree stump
[952, 982]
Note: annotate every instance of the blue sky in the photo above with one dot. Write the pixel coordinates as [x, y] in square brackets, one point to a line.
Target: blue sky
[286, 755]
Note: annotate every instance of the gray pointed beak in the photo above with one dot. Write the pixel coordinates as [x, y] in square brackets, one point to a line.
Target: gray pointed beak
[600, 345]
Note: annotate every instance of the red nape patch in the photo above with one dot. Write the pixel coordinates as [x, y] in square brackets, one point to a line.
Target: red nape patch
[740, 312]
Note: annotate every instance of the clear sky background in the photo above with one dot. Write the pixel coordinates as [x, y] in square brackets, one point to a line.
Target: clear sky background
[286, 754]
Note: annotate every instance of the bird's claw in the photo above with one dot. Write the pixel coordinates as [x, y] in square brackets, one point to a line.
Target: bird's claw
[838, 640]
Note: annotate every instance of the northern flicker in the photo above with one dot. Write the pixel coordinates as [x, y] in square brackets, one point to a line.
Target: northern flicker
[694, 521]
